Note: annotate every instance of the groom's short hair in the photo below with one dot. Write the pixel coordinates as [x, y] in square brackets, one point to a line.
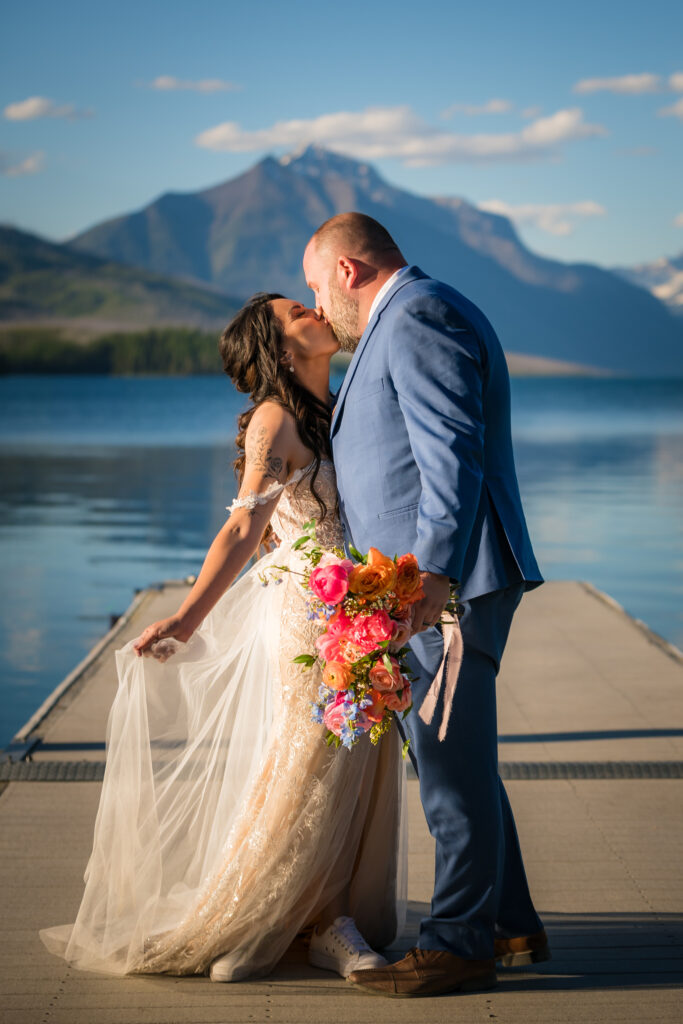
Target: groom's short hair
[355, 235]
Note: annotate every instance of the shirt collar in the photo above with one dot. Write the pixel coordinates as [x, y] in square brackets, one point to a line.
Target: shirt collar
[384, 289]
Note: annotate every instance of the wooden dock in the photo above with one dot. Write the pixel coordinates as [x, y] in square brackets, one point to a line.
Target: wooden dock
[591, 743]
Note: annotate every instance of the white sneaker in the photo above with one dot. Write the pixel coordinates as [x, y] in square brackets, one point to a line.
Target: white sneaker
[342, 948]
[229, 967]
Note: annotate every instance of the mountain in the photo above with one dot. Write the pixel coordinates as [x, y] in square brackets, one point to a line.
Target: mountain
[248, 234]
[664, 278]
[42, 282]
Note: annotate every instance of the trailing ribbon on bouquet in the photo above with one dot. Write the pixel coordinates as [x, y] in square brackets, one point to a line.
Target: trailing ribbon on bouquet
[446, 676]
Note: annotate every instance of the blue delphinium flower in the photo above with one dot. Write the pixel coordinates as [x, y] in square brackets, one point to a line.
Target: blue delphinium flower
[317, 712]
[347, 736]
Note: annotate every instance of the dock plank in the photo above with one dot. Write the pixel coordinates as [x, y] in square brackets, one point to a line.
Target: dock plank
[581, 681]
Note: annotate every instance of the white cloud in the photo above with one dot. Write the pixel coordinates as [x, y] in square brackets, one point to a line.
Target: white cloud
[626, 84]
[676, 81]
[553, 218]
[167, 83]
[490, 107]
[39, 106]
[678, 221]
[397, 132]
[32, 164]
[675, 110]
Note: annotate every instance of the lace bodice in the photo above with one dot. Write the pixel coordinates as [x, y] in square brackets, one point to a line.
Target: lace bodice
[297, 505]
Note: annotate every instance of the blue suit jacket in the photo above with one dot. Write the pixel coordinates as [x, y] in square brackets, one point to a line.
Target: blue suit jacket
[421, 441]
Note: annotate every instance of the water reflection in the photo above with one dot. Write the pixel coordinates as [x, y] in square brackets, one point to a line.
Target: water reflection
[611, 512]
[78, 532]
[89, 511]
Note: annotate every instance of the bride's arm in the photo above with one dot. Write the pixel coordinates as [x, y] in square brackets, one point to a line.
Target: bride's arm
[272, 444]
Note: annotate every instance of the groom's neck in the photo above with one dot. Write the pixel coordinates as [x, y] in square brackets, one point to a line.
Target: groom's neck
[369, 292]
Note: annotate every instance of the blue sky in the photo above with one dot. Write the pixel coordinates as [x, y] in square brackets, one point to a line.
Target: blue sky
[567, 118]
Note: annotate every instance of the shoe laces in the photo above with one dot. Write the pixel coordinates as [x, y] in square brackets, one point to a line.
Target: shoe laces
[346, 926]
[416, 953]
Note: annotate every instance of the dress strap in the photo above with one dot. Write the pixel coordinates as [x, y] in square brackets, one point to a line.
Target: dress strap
[298, 474]
[252, 499]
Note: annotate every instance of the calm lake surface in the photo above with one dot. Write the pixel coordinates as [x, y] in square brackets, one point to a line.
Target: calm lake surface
[110, 484]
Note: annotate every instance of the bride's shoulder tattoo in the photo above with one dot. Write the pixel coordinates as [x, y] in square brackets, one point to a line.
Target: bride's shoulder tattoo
[259, 455]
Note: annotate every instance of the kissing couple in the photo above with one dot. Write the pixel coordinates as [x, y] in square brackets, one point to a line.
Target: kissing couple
[226, 825]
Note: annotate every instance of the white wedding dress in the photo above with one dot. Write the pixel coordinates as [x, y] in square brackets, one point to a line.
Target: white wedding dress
[226, 823]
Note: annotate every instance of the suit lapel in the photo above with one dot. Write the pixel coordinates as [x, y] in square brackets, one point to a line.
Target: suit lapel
[413, 274]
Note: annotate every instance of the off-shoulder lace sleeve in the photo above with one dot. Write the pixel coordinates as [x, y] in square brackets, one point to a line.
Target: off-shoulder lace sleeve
[251, 499]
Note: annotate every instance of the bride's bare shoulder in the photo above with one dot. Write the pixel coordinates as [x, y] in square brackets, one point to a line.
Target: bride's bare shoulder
[274, 419]
[275, 427]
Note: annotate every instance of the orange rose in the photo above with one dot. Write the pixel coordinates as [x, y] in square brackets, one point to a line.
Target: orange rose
[400, 703]
[375, 711]
[376, 578]
[384, 680]
[337, 676]
[408, 583]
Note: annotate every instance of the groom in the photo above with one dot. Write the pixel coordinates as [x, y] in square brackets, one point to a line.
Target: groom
[423, 454]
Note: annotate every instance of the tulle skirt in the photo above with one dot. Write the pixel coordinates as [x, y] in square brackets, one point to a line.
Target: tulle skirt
[226, 824]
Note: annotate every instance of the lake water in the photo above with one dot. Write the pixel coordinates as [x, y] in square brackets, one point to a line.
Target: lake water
[110, 484]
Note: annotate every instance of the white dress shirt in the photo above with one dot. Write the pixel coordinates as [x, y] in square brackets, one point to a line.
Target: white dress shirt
[384, 289]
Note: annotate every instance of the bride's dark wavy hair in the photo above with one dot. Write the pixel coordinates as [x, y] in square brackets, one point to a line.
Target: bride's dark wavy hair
[251, 350]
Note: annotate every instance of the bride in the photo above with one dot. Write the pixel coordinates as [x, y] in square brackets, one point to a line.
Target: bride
[226, 825]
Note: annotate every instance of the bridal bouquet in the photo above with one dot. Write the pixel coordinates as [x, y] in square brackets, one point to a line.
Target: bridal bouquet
[365, 605]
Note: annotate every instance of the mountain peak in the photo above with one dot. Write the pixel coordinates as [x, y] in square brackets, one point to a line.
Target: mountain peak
[314, 161]
[251, 231]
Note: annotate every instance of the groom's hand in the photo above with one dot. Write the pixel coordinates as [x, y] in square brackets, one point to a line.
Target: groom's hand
[428, 611]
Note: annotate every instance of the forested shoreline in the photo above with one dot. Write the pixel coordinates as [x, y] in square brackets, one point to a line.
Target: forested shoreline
[166, 351]
[172, 351]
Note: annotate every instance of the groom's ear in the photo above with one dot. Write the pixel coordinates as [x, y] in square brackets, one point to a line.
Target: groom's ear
[347, 273]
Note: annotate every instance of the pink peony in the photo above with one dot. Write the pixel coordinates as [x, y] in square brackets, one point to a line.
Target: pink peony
[329, 559]
[330, 583]
[368, 631]
[383, 680]
[396, 703]
[349, 650]
[339, 624]
[333, 718]
[329, 647]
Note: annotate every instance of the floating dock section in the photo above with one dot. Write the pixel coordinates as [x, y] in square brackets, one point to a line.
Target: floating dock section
[591, 745]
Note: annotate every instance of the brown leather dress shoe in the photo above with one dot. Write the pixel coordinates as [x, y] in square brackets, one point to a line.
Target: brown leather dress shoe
[427, 972]
[523, 949]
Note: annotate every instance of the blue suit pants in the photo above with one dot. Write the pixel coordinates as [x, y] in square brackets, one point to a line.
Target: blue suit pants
[480, 888]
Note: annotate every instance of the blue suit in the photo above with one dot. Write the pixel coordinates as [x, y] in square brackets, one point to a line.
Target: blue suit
[423, 454]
